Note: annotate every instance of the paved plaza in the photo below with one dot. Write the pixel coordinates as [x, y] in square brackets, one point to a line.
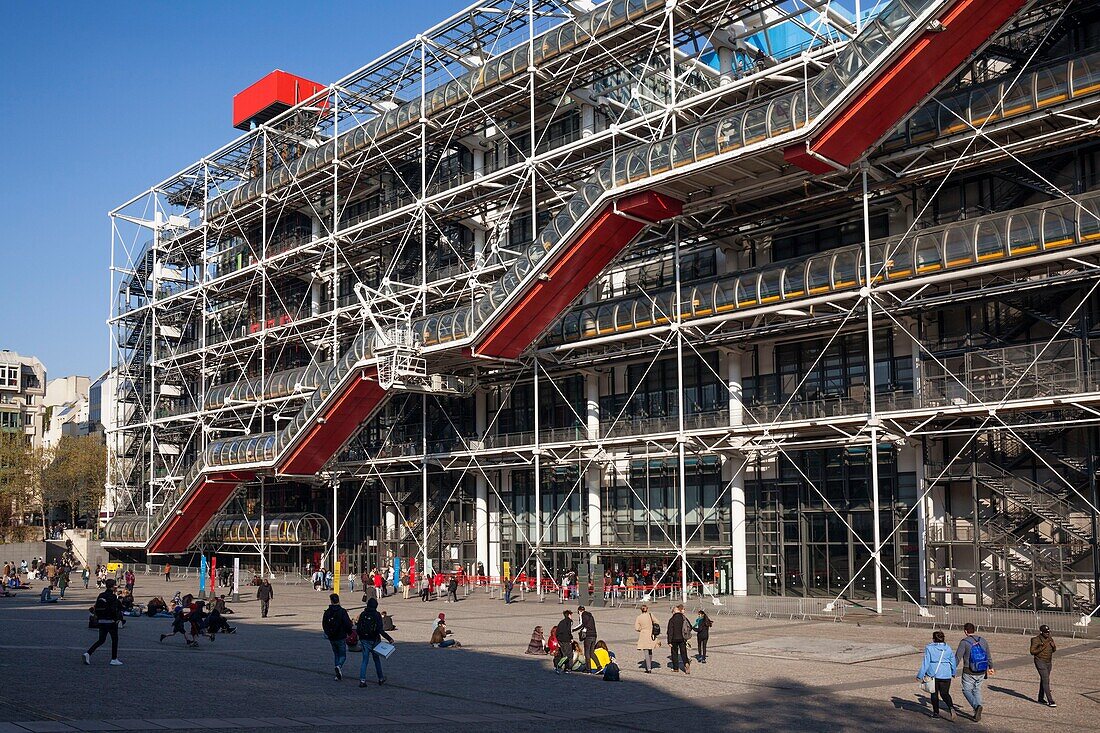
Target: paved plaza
[276, 673]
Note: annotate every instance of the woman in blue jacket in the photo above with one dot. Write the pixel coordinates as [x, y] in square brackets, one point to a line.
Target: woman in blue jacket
[939, 664]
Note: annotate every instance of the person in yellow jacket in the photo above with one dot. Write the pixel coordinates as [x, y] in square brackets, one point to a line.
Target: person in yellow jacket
[600, 658]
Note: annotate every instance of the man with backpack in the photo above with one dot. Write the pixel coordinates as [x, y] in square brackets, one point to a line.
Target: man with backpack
[108, 613]
[975, 659]
[679, 631]
[337, 625]
[371, 631]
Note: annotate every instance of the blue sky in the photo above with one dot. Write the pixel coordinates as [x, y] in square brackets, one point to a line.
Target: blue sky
[102, 100]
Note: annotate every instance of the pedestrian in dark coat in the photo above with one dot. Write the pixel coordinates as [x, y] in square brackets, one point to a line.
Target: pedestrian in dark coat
[679, 631]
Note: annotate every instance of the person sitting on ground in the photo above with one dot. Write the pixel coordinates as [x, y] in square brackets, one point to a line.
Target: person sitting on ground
[215, 622]
[439, 636]
[387, 622]
[126, 598]
[536, 645]
[601, 657]
[156, 605]
[439, 620]
[46, 596]
[552, 644]
[572, 662]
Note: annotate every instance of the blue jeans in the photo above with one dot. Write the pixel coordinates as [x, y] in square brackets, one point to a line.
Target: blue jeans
[339, 651]
[368, 652]
[972, 688]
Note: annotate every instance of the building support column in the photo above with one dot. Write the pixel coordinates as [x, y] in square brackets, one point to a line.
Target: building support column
[588, 120]
[739, 565]
[593, 473]
[725, 64]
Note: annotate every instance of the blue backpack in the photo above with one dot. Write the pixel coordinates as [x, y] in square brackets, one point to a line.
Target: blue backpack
[979, 657]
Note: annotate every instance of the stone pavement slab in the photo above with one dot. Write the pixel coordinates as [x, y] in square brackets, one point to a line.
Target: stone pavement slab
[248, 723]
[823, 649]
[92, 725]
[47, 726]
[136, 724]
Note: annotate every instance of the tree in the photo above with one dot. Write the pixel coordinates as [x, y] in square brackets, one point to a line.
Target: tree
[23, 476]
[76, 475]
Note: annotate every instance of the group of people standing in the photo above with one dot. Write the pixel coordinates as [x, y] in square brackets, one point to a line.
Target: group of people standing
[678, 634]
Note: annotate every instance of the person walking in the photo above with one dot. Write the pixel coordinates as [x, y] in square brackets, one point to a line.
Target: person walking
[108, 614]
[425, 588]
[1042, 653]
[167, 573]
[678, 633]
[452, 588]
[371, 632]
[336, 624]
[975, 659]
[649, 632]
[63, 582]
[131, 580]
[587, 629]
[265, 593]
[86, 575]
[508, 586]
[564, 635]
[937, 669]
[702, 634]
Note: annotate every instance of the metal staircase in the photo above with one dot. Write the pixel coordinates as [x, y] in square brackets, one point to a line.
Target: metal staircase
[1014, 533]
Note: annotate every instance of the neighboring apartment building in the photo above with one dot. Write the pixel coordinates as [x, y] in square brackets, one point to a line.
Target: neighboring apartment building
[66, 403]
[726, 293]
[22, 396]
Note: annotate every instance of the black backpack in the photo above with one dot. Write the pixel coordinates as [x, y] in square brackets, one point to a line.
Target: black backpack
[330, 623]
[611, 672]
[102, 608]
[367, 626]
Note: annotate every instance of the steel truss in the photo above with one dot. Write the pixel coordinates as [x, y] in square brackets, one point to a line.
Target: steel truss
[216, 304]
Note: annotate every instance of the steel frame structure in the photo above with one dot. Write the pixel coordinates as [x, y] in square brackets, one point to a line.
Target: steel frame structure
[212, 289]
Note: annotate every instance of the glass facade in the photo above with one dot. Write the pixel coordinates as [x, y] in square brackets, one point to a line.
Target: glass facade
[810, 529]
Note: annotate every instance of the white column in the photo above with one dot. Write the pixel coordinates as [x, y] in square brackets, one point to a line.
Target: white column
[738, 544]
[479, 246]
[592, 392]
[389, 518]
[316, 296]
[315, 228]
[593, 473]
[588, 120]
[481, 495]
[725, 64]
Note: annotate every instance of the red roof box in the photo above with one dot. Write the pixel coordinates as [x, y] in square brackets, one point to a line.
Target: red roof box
[275, 93]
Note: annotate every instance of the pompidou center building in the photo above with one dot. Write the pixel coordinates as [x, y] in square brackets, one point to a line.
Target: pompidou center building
[779, 298]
